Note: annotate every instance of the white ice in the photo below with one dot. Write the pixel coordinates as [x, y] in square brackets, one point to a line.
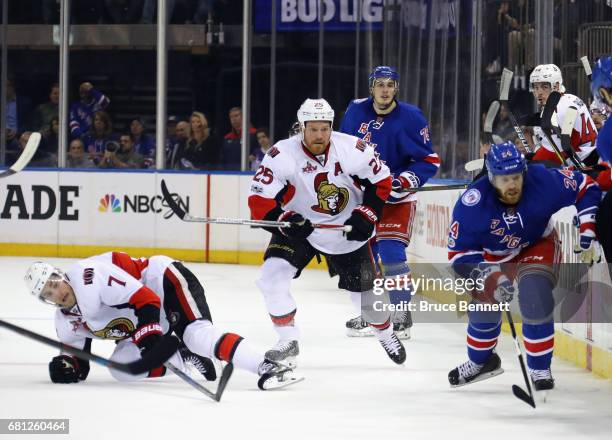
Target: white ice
[352, 390]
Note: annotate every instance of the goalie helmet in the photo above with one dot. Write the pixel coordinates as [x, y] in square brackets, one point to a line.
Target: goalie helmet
[37, 276]
[547, 73]
[504, 159]
[602, 78]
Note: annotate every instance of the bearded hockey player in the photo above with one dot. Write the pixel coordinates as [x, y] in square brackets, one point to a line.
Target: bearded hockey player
[327, 177]
[545, 79]
[134, 302]
[502, 233]
[400, 134]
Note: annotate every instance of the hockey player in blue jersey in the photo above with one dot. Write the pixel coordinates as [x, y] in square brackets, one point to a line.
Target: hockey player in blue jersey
[400, 134]
[501, 233]
[601, 86]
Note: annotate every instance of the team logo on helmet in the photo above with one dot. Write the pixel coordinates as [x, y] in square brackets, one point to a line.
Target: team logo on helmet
[331, 199]
[471, 197]
[119, 328]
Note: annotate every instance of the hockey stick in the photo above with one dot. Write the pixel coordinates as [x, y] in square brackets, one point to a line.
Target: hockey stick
[26, 156]
[223, 380]
[478, 164]
[504, 89]
[157, 356]
[186, 217]
[516, 390]
[547, 124]
[438, 188]
[587, 67]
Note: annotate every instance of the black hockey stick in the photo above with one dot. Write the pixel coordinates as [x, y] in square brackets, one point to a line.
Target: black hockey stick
[504, 89]
[26, 156]
[157, 356]
[437, 188]
[223, 380]
[516, 390]
[186, 217]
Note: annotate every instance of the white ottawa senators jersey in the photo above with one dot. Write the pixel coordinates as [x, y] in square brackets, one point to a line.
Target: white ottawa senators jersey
[584, 134]
[103, 291]
[323, 189]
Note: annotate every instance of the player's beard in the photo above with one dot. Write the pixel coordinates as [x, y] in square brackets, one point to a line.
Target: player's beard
[511, 196]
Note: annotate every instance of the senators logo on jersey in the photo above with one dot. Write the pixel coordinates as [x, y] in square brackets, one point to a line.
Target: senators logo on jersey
[119, 328]
[331, 199]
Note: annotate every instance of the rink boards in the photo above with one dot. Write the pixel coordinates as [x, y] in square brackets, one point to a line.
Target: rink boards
[77, 214]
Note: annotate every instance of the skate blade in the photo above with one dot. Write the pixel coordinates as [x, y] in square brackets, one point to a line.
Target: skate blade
[482, 377]
[363, 333]
[274, 384]
[403, 334]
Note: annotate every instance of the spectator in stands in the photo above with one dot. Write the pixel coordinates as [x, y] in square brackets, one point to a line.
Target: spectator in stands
[170, 135]
[76, 157]
[82, 111]
[101, 132]
[263, 144]
[199, 12]
[123, 11]
[503, 127]
[231, 152]
[18, 112]
[45, 112]
[122, 155]
[143, 143]
[41, 158]
[201, 150]
[50, 137]
[183, 132]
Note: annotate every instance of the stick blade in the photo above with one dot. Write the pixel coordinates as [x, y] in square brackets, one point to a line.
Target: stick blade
[491, 114]
[154, 358]
[587, 66]
[522, 395]
[474, 165]
[569, 119]
[504, 84]
[174, 206]
[223, 381]
[26, 155]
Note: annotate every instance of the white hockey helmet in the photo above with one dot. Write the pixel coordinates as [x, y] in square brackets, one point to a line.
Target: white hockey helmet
[547, 73]
[37, 276]
[315, 110]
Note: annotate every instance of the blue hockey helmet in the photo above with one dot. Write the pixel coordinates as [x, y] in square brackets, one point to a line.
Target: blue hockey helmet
[602, 78]
[505, 158]
[384, 72]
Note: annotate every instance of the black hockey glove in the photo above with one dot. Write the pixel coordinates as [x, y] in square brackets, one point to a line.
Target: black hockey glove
[68, 369]
[362, 219]
[147, 336]
[300, 228]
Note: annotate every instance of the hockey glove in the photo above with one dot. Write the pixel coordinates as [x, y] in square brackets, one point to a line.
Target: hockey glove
[588, 251]
[496, 283]
[68, 369]
[403, 183]
[147, 336]
[300, 227]
[362, 219]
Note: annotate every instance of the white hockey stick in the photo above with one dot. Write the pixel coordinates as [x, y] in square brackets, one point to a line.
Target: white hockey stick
[186, 217]
[587, 66]
[25, 157]
[478, 164]
[223, 380]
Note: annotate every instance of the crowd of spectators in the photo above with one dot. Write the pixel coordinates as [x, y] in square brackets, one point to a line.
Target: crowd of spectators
[191, 143]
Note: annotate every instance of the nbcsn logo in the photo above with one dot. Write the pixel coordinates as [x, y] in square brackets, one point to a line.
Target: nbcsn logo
[109, 203]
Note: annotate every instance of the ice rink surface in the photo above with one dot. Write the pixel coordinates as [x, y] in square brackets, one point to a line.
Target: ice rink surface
[352, 390]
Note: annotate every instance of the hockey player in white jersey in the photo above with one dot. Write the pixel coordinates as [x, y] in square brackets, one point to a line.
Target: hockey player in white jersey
[320, 176]
[545, 79]
[135, 302]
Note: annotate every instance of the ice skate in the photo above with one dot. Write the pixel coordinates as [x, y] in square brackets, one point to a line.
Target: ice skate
[284, 353]
[469, 371]
[201, 364]
[273, 375]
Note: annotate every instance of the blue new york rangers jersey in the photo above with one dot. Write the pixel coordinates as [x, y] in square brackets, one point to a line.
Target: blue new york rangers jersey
[484, 228]
[604, 142]
[401, 137]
